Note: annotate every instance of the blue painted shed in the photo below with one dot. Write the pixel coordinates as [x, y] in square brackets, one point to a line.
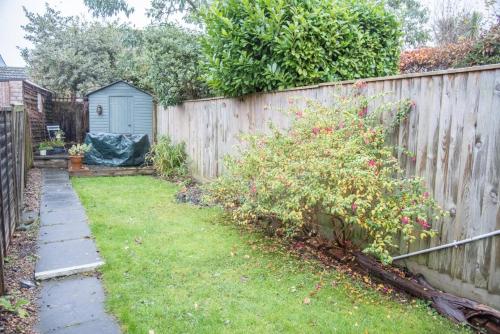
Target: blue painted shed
[121, 108]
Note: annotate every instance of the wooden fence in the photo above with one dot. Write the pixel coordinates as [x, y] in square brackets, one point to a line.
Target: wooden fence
[71, 116]
[454, 132]
[14, 139]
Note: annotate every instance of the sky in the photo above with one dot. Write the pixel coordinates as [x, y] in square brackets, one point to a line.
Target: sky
[12, 18]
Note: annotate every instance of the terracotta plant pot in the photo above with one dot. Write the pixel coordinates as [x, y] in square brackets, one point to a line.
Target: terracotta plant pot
[76, 162]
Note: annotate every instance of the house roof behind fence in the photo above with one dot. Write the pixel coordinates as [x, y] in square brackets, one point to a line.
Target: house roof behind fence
[13, 73]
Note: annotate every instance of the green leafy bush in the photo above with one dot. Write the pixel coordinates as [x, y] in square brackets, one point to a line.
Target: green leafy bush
[79, 149]
[45, 145]
[168, 159]
[264, 45]
[484, 50]
[172, 57]
[433, 58]
[332, 162]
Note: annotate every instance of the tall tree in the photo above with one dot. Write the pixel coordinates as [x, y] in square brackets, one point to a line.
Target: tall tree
[453, 25]
[70, 56]
[106, 8]
[162, 9]
[172, 56]
[414, 18]
[493, 7]
[159, 11]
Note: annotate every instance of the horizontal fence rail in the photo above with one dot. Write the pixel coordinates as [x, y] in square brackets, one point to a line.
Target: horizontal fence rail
[454, 131]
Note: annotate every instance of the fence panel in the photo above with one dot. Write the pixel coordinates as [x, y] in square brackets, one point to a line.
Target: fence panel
[454, 132]
[71, 116]
[13, 123]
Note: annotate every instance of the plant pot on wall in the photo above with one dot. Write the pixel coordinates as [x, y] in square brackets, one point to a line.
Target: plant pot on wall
[76, 162]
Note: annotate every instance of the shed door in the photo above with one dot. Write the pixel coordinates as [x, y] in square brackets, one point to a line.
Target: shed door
[120, 114]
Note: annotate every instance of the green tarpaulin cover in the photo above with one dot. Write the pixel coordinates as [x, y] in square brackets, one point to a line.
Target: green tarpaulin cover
[117, 150]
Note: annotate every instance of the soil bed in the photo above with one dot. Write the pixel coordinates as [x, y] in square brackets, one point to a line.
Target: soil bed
[20, 266]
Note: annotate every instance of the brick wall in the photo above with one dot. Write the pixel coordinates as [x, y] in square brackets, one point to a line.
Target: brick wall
[11, 92]
[16, 92]
[4, 94]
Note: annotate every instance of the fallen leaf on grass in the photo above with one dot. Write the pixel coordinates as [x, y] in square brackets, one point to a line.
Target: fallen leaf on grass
[307, 301]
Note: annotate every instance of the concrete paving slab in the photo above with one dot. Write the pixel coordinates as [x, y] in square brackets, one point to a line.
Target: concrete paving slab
[61, 176]
[49, 171]
[59, 196]
[62, 217]
[90, 327]
[74, 305]
[56, 176]
[63, 232]
[66, 254]
[55, 181]
[56, 189]
[67, 204]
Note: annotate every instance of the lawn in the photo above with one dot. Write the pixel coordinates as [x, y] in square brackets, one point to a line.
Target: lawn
[176, 268]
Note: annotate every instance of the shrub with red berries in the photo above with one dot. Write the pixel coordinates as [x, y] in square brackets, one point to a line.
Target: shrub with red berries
[334, 163]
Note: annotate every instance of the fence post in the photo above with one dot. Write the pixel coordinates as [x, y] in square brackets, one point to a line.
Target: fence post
[4, 215]
[17, 129]
[28, 145]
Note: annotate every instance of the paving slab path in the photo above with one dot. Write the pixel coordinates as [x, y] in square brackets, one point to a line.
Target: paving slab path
[72, 297]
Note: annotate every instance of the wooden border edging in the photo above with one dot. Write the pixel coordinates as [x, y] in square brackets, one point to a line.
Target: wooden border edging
[113, 171]
[44, 275]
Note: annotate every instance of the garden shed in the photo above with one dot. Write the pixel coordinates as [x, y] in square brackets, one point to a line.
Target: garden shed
[121, 108]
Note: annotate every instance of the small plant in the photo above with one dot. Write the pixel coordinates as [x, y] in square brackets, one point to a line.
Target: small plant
[17, 307]
[332, 166]
[57, 142]
[59, 135]
[168, 159]
[45, 146]
[79, 149]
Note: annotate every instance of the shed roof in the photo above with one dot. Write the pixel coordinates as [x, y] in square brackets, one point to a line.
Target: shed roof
[114, 83]
[13, 73]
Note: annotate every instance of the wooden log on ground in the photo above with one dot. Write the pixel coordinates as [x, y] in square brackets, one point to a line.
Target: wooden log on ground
[458, 309]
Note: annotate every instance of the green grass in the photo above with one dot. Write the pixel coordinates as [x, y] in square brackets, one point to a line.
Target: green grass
[175, 268]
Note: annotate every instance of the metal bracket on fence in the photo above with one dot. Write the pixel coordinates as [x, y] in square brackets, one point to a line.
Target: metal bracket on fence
[452, 244]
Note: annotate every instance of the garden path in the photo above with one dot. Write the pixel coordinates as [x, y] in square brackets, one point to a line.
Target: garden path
[70, 302]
